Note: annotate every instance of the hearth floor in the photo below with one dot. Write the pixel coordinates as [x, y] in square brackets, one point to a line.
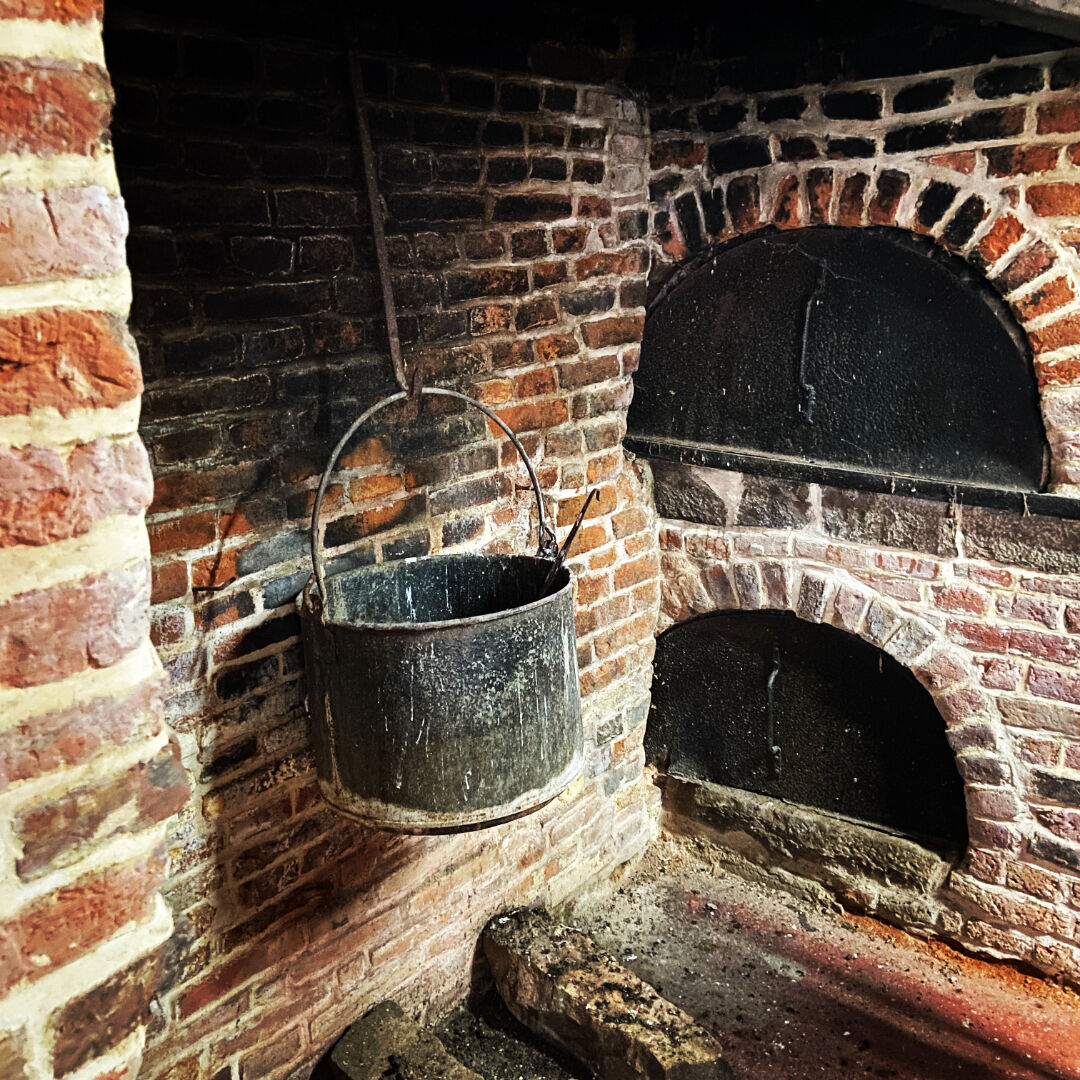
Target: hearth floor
[796, 991]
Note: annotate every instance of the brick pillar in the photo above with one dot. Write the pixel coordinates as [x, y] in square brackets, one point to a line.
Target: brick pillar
[88, 772]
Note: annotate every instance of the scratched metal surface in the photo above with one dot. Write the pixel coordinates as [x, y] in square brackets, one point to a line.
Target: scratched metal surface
[861, 347]
[442, 693]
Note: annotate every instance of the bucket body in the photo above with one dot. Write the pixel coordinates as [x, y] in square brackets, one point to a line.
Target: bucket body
[443, 694]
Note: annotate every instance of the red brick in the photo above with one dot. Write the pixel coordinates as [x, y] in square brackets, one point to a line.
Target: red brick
[71, 232]
[145, 794]
[181, 490]
[535, 383]
[534, 417]
[1056, 648]
[46, 497]
[167, 628]
[372, 487]
[1058, 116]
[959, 599]
[568, 509]
[49, 634]
[1058, 685]
[63, 11]
[618, 330]
[1028, 265]
[1054, 200]
[819, 187]
[628, 522]
[95, 1022]
[978, 635]
[548, 273]
[587, 372]
[1000, 674]
[169, 582]
[1022, 160]
[609, 262]
[907, 565]
[588, 538]
[743, 203]
[592, 206]
[681, 152]
[1003, 234]
[490, 318]
[65, 360]
[52, 106]
[633, 573]
[1036, 609]
[961, 161]
[59, 927]
[71, 736]
[786, 213]
[517, 353]
[1044, 299]
[237, 969]
[891, 188]
[365, 452]
[183, 533]
[569, 241]
[555, 347]
[1058, 335]
[493, 391]
[849, 210]
[603, 466]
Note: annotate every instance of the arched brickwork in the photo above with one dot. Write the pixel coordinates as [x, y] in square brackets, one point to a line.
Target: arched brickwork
[706, 569]
[1015, 229]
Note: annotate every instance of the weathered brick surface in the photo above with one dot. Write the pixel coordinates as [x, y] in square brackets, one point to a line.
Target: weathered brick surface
[65, 233]
[62, 925]
[50, 634]
[65, 371]
[1020, 198]
[94, 1023]
[52, 832]
[517, 243]
[47, 496]
[991, 644]
[64, 11]
[71, 736]
[52, 106]
[65, 360]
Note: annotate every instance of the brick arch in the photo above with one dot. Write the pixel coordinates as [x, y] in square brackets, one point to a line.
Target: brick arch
[1014, 244]
[699, 576]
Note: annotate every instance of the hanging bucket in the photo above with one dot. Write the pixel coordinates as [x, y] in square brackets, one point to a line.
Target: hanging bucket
[443, 690]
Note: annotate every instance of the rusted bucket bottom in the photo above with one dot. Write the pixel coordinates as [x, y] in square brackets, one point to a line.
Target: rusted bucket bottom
[382, 815]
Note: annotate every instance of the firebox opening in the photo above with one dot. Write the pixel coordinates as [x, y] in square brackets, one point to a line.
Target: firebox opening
[769, 703]
[870, 350]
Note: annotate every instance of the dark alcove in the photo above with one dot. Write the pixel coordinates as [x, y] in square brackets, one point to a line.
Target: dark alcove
[801, 711]
[869, 349]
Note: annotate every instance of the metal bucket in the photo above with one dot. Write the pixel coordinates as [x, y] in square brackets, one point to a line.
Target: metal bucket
[443, 691]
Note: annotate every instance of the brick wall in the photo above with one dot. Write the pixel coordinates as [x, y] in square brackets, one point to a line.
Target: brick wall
[87, 769]
[981, 158]
[516, 208]
[971, 140]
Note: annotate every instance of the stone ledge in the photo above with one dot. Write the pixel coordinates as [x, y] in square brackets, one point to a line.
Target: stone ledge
[877, 872]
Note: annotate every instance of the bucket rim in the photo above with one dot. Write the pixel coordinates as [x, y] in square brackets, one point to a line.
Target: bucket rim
[308, 611]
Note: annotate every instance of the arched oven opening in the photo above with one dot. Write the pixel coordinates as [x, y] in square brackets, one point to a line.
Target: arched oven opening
[855, 354]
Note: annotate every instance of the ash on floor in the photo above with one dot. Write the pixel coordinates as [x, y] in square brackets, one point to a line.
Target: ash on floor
[486, 1038]
[799, 992]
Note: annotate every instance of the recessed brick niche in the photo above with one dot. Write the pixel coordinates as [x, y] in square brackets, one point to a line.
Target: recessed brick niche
[177, 900]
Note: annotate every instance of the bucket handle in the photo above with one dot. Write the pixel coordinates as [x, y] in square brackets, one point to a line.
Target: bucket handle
[547, 547]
